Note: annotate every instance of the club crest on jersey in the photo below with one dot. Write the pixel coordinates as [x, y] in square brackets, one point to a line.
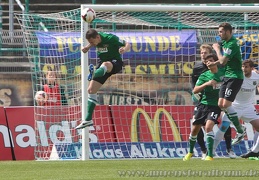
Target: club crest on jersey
[254, 83]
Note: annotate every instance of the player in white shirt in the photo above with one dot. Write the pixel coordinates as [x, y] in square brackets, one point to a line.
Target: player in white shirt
[244, 105]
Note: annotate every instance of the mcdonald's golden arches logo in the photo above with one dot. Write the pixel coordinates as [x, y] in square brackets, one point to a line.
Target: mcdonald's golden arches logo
[153, 125]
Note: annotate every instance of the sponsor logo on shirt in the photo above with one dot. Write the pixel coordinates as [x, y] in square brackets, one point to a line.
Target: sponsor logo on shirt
[246, 90]
[103, 49]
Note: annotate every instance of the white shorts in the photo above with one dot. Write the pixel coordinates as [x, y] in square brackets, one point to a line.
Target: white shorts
[246, 113]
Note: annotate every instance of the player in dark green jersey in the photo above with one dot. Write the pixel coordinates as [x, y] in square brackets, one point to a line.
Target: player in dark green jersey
[208, 110]
[109, 49]
[198, 69]
[233, 79]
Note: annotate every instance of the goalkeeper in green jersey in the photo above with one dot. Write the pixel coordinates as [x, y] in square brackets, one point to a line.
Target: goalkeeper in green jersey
[109, 49]
[208, 110]
[233, 79]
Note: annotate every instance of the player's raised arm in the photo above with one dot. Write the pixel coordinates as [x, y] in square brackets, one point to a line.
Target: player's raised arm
[200, 88]
[222, 60]
[125, 48]
[86, 48]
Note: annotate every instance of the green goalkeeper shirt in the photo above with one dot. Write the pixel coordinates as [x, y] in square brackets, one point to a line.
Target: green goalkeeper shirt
[231, 49]
[108, 49]
[210, 96]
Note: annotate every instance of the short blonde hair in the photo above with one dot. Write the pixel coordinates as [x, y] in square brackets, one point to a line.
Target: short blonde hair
[206, 46]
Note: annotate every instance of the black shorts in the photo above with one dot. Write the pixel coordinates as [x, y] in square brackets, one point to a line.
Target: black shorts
[230, 88]
[195, 110]
[117, 67]
[206, 112]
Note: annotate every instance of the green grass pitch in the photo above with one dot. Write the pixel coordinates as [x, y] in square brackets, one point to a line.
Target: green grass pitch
[219, 168]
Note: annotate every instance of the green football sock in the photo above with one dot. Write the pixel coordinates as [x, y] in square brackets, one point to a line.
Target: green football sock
[192, 141]
[232, 115]
[234, 119]
[90, 110]
[210, 142]
[100, 71]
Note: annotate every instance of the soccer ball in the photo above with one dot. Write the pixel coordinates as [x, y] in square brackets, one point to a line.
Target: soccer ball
[88, 15]
[40, 96]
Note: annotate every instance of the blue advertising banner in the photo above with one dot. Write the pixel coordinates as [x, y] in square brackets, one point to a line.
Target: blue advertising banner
[140, 150]
[249, 44]
[158, 46]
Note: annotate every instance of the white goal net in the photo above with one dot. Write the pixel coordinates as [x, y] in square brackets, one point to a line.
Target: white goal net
[144, 111]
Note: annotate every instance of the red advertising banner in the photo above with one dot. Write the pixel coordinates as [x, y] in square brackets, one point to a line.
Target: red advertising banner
[21, 125]
[111, 124]
[5, 143]
[152, 123]
[53, 125]
[64, 118]
[103, 128]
